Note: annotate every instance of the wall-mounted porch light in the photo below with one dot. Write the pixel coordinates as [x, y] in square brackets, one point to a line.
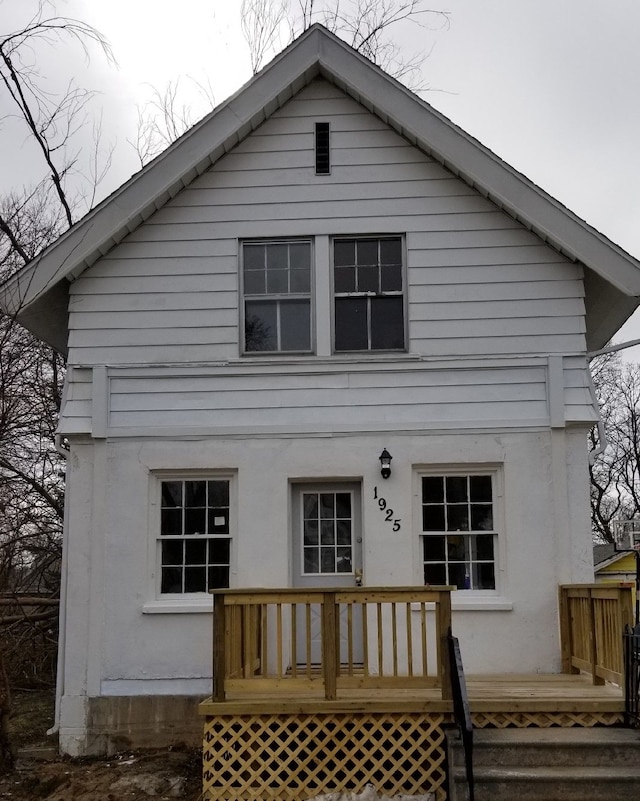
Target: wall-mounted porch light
[385, 463]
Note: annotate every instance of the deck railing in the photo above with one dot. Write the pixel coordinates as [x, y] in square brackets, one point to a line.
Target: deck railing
[592, 621]
[326, 640]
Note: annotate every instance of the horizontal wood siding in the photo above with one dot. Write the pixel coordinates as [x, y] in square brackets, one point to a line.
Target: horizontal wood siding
[478, 282]
[418, 397]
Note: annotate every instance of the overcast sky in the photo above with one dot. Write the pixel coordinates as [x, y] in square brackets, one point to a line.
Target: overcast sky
[551, 86]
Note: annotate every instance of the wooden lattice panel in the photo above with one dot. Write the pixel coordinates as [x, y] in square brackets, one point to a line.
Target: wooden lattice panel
[295, 757]
[544, 720]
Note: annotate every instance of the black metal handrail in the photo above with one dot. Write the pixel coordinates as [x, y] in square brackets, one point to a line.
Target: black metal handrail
[461, 710]
[631, 639]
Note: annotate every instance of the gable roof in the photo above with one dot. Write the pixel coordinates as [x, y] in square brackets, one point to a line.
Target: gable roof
[37, 295]
[606, 554]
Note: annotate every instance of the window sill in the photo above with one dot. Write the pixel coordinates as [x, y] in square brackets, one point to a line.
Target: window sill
[178, 606]
[478, 603]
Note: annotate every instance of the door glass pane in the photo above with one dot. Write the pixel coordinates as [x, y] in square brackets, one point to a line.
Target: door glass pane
[327, 529]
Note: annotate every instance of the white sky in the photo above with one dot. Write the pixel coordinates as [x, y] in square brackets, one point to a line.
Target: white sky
[551, 86]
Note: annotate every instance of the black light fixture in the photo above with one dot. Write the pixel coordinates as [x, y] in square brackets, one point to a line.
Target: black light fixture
[385, 463]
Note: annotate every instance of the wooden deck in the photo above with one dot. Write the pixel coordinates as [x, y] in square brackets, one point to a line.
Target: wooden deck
[553, 693]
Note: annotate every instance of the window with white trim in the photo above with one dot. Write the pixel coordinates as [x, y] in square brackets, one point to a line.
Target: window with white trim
[194, 540]
[458, 529]
[276, 280]
[368, 294]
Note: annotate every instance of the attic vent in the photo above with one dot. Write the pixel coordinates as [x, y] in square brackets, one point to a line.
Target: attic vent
[323, 153]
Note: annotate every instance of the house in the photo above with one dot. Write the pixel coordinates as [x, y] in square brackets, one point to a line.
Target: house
[323, 269]
[613, 566]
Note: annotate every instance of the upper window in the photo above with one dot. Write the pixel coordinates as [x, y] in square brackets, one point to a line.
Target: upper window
[195, 536]
[459, 530]
[368, 288]
[277, 296]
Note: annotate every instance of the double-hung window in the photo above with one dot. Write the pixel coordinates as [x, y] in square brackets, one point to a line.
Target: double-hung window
[458, 528]
[194, 544]
[277, 296]
[368, 294]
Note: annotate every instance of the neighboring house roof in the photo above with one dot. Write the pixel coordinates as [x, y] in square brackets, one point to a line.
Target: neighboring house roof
[38, 293]
[606, 555]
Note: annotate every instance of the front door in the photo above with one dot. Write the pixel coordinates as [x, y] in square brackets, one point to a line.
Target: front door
[327, 552]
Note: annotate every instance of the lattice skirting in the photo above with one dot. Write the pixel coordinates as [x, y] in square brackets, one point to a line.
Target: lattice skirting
[544, 720]
[296, 757]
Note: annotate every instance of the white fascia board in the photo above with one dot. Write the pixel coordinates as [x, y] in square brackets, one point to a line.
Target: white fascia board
[480, 168]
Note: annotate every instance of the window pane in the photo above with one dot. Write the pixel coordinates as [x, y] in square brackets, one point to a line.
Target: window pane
[327, 505]
[171, 521]
[218, 577]
[484, 577]
[344, 279]
[344, 252]
[481, 517]
[255, 282]
[310, 503]
[311, 560]
[300, 281]
[295, 325]
[195, 552]
[171, 493]
[480, 488]
[351, 324]
[300, 255]
[327, 532]
[391, 278]
[219, 521]
[195, 493]
[311, 532]
[195, 521]
[459, 576]
[387, 323]
[457, 518]
[367, 250]
[368, 279]
[171, 580]
[343, 505]
[219, 551]
[435, 574]
[172, 552]
[482, 547]
[218, 493]
[433, 489]
[195, 579]
[343, 532]
[260, 325]
[433, 518]
[277, 256]
[456, 489]
[344, 560]
[433, 549]
[327, 560]
[391, 251]
[253, 257]
[457, 548]
[278, 281]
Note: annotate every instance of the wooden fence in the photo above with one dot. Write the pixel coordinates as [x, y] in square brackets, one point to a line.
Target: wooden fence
[592, 621]
[324, 641]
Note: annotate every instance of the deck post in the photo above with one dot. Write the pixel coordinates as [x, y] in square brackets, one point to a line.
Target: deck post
[566, 645]
[329, 645]
[219, 643]
[593, 641]
[443, 607]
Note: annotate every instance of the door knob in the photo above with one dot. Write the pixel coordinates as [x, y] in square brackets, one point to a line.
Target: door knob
[358, 574]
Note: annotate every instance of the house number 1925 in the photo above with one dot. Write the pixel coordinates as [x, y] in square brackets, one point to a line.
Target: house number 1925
[387, 511]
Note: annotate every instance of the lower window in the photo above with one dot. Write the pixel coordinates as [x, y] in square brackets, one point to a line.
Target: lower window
[195, 538]
[458, 530]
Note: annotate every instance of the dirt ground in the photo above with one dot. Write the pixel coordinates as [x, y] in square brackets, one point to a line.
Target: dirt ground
[40, 775]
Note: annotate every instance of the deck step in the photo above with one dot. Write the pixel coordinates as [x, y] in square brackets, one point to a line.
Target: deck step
[577, 764]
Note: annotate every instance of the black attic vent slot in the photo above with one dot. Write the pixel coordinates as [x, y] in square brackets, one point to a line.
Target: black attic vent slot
[323, 159]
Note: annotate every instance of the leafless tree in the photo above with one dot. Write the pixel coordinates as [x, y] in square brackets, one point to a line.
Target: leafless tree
[615, 471]
[31, 374]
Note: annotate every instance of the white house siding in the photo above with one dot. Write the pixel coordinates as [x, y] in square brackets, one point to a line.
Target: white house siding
[478, 282]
